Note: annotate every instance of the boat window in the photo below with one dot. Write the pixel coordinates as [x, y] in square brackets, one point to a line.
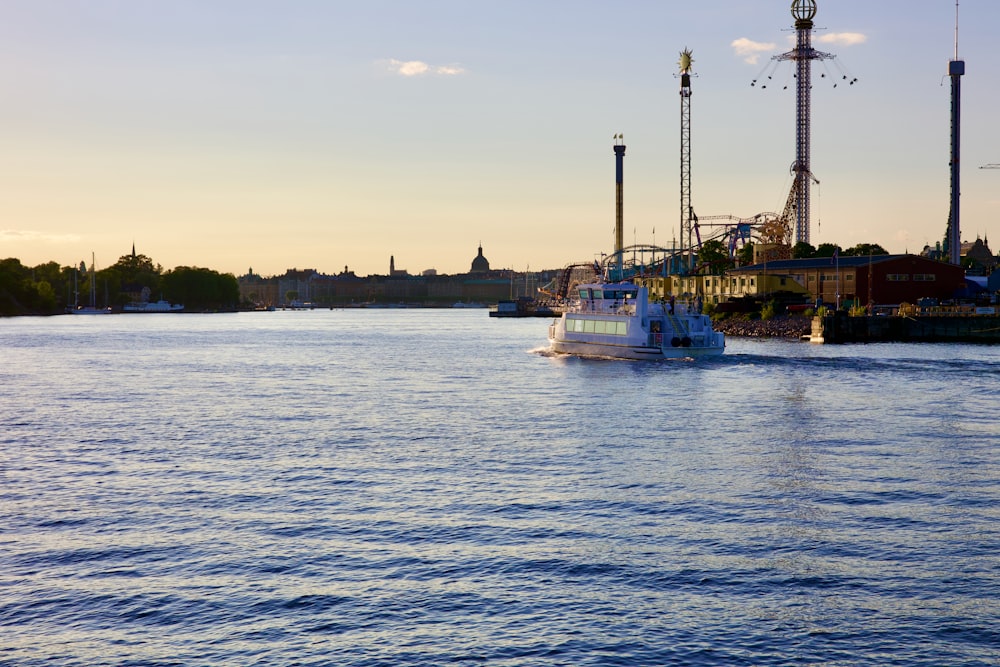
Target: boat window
[606, 327]
[598, 294]
[584, 294]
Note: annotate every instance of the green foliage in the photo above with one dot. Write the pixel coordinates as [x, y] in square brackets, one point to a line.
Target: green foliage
[827, 250]
[201, 289]
[130, 274]
[768, 310]
[745, 255]
[803, 250]
[714, 255]
[25, 290]
[808, 312]
[865, 250]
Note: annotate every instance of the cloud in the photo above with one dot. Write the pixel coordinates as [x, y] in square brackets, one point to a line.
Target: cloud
[843, 38]
[420, 68]
[15, 235]
[750, 50]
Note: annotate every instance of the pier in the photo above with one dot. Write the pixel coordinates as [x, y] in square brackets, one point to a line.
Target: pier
[939, 328]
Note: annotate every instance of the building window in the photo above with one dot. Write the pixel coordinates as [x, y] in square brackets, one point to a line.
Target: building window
[924, 277]
[897, 277]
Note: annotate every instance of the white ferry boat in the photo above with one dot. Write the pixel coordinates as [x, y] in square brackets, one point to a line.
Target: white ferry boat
[617, 320]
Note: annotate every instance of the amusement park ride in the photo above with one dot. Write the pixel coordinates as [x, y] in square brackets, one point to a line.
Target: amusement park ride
[778, 231]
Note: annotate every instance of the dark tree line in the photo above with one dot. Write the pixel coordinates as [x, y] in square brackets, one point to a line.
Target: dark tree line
[713, 256]
[48, 288]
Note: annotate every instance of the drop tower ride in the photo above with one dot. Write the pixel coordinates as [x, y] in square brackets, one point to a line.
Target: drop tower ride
[953, 236]
[803, 11]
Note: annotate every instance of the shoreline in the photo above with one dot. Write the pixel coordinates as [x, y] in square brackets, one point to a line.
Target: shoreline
[782, 326]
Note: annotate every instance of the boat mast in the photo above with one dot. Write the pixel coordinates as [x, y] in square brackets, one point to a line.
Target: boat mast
[93, 282]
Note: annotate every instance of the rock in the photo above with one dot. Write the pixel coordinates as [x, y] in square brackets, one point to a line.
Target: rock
[785, 326]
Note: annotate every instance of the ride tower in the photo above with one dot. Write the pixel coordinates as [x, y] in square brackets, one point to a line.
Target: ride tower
[952, 249]
[687, 213]
[803, 11]
[619, 149]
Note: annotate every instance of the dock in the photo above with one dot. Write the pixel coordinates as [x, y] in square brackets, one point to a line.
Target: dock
[902, 328]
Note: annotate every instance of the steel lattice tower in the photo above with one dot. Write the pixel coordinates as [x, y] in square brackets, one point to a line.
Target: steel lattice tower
[687, 242]
[803, 11]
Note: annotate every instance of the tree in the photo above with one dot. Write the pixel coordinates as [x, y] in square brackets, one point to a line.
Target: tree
[26, 290]
[201, 289]
[803, 250]
[745, 255]
[714, 255]
[865, 250]
[827, 250]
[131, 273]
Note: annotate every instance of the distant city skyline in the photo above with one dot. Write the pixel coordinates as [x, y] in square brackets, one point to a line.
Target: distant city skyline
[229, 134]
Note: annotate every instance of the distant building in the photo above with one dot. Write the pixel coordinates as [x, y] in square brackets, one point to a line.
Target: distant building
[393, 271]
[978, 257]
[480, 264]
[257, 290]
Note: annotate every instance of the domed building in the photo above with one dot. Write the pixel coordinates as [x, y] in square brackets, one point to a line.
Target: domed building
[480, 264]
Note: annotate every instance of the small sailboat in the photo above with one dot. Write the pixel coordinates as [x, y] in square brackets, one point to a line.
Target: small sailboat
[92, 309]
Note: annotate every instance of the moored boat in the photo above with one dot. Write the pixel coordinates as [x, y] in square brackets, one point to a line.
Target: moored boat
[617, 320]
[160, 306]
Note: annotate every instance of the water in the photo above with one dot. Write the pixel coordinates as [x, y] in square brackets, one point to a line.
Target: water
[405, 487]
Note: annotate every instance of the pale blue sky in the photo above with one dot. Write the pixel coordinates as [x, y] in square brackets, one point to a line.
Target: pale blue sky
[294, 133]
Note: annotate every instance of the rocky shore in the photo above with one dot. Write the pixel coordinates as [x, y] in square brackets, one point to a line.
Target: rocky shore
[785, 326]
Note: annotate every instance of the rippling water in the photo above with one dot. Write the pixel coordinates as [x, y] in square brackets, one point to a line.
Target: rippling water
[407, 487]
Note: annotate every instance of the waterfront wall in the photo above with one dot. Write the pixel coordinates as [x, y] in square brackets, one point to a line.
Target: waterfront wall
[841, 328]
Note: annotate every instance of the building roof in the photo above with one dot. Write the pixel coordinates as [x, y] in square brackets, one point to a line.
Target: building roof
[480, 264]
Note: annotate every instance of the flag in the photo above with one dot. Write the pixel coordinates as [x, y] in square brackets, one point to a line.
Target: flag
[836, 253]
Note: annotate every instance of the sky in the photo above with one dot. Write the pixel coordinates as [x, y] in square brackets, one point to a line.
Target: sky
[324, 134]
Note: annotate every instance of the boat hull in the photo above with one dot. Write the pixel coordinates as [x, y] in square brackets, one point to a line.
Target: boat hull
[633, 352]
[87, 310]
[154, 307]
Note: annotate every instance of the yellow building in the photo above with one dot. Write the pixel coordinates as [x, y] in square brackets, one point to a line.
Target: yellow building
[718, 289]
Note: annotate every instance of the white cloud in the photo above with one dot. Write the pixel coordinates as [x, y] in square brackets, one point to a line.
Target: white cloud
[843, 38]
[420, 68]
[750, 50]
[15, 235]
